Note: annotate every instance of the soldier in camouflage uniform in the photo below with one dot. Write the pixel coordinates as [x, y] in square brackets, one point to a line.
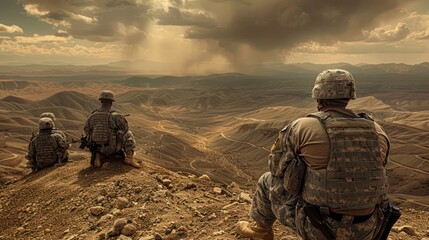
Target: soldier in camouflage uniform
[54, 129]
[344, 156]
[47, 148]
[108, 131]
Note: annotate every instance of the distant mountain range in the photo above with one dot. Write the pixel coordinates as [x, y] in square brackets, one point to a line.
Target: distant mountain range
[149, 68]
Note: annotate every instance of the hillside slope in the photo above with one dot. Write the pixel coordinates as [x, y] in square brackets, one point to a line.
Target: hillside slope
[77, 202]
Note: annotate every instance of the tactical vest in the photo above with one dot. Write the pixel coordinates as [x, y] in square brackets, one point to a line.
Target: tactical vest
[101, 133]
[355, 177]
[46, 146]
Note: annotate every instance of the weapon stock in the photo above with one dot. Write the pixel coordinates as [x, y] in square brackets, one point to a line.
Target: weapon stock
[91, 146]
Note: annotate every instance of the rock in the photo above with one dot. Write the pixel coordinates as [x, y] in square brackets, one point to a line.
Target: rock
[138, 189]
[119, 224]
[122, 237]
[217, 190]
[100, 199]
[190, 186]
[211, 216]
[66, 231]
[408, 230]
[111, 194]
[72, 237]
[233, 185]
[129, 230]
[218, 233]
[116, 212]
[166, 182]
[96, 211]
[105, 218]
[102, 236]
[113, 232]
[47, 230]
[229, 205]
[20, 230]
[181, 231]
[147, 238]
[170, 228]
[122, 202]
[158, 237]
[103, 192]
[245, 197]
[205, 177]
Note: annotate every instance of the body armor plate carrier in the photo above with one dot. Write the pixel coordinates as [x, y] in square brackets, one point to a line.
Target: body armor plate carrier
[46, 146]
[100, 131]
[355, 177]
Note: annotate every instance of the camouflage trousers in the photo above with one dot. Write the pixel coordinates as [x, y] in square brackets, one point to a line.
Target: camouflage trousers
[272, 202]
[129, 141]
[344, 229]
[125, 141]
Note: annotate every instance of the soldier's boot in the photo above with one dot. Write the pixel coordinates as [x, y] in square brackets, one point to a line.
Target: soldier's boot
[129, 159]
[253, 231]
[97, 161]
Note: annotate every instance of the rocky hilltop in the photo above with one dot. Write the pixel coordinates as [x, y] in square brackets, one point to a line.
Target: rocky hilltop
[117, 201]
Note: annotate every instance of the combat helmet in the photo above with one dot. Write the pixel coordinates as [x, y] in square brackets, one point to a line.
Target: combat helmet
[49, 115]
[107, 95]
[334, 84]
[45, 123]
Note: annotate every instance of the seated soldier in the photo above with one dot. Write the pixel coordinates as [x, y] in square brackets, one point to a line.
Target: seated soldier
[108, 134]
[54, 129]
[46, 148]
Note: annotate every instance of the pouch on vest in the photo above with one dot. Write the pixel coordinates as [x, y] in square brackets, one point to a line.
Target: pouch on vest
[293, 179]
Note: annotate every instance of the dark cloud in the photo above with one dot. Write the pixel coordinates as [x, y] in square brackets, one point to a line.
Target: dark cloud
[283, 24]
[176, 17]
[120, 3]
[94, 20]
[57, 16]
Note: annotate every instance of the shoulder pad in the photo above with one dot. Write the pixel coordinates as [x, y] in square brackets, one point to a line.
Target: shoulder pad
[366, 116]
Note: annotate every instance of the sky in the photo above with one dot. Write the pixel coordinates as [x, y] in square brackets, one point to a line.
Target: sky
[207, 36]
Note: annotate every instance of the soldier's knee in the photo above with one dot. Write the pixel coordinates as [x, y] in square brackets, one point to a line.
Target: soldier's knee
[264, 179]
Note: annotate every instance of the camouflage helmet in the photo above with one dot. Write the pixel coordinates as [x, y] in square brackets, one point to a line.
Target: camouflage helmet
[106, 95]
[334, 84]
[45, 123]
[49, 115]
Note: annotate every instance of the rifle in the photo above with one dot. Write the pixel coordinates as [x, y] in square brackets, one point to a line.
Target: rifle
[318, 221]
[91, 146]
[391, 214]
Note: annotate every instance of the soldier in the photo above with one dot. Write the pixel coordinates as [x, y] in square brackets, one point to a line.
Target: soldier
[327, 174]
[108, 134]
[46, 148]
[54, 129]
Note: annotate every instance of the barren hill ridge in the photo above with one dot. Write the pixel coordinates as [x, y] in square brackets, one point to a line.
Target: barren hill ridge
[119, 202]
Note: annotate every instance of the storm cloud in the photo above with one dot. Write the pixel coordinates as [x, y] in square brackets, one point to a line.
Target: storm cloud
[273, 24]
[98, 21]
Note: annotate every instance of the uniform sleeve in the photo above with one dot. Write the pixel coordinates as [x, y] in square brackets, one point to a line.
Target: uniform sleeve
[87, 126]
[31, 156]
[60, 141]
[384, 142]
[281, 153]
[120, 121]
